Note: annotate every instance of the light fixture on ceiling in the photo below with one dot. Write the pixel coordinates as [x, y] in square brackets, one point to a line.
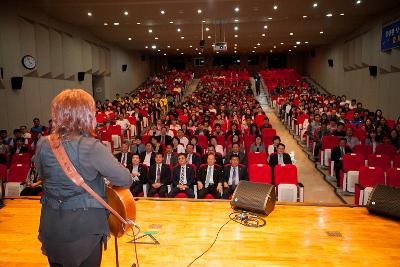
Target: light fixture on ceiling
[358, 2]
[155, 38]
[329, 15]
[265, 26]
[126, 13]
[341, 14]
[290, 50]
[253, 51]
[199, 53]
[138, 23]
[236, 36]
[182, 53]
[159, 50]
[116, 23]
[306, 42]
[237, 9]
[154, 47]
[269, 18]
[274, 46]
[282, 43]
[315, 5]
[182, 37]
[105, 24]
[258, 44]
[207, 29]
[89, 14]
[270, 51]
[236, 28]
[129, 38]
[196, 49]
[235, 44]
[162, 12]
[304, 17]
[168, 46]
[178, 30]
[209, 37]
[150, 30]
[165, 54]
[321, 32]
[291, 33]
[235, 51]
[203, 21]
[275, 7]
[199, 11]
[146, 47]
[263, 35]
[171, 22]
[298, 42]
[217, 52]
[177, 49]
[190, 46]
[255, 47]
[236, 20]
[295, 46]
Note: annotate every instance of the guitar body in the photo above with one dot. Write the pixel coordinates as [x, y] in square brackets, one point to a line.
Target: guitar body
[120, 199]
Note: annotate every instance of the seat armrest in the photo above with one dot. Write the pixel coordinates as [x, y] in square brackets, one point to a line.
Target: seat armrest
[195, 191]
[145, 187]
[301, 192]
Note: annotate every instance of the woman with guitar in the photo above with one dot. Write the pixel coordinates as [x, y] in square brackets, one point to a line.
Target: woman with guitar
[73, 224]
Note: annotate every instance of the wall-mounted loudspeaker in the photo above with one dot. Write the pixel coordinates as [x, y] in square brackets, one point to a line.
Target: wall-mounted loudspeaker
[330, 62]
[16, 83]
[373, 70]
[202, 43]
[81, 76]
[124, 67]
[1, 73]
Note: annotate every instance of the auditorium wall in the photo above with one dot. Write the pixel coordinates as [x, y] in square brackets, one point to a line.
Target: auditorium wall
[350, 75]
[61, 51]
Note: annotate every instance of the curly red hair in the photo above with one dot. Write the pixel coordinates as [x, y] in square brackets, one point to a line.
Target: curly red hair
[73, 113]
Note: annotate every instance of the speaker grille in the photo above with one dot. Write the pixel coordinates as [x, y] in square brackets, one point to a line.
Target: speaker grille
[385, 200]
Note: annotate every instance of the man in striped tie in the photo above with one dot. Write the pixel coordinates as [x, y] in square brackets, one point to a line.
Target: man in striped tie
[183, 178]
[209, 179]
[233, 173]
[159, 177]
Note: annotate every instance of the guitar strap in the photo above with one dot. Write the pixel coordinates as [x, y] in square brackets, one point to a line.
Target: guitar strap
[74, 176]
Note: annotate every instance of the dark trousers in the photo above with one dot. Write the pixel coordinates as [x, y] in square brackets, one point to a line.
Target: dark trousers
[136, 188]
[258, 90]
[28, 191]
[94, 259]
[338, 167]
[228, 191]
[317, 148]
[161, 191]
[211, 189]
[175, 190]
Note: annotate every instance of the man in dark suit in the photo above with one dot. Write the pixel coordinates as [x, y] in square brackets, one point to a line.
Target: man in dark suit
[147, 157]
[191, 157]
[124, 157]
[159, 177]
[211, 150]
[280, 157]
[337, 157]
[170, 157]
[137, 146]
[232, 174]
[209, 179]
[236, 151]
[164, 138]
[139, 174]
[183, 178]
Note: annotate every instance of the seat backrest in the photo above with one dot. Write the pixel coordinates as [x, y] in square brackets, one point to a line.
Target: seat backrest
[21, 158]
[363, 149]
[268, 131]
[361, 135]
[145, 139]
[375, 160]
[329, 142]
[260, 173]
[353, 162]
[257, 157]
[393, 177]
[285, 174]
[396, 161]
[389, 150]
[3, 172]
[371, 176]
[18, 172]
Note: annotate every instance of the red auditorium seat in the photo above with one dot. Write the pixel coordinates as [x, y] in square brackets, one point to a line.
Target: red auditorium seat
[327, 144]
[257, 158]
[268, 131]
[396, 161]
[351, 166]
[363, 149]
[389, 150]
[21, 158]
[145, 139]
[382, 161]
[3, 172]
[368, 178]
[393, 177]
[286, 181]
[202, 141]
[390, 123]
[18, 173]
[260, 173]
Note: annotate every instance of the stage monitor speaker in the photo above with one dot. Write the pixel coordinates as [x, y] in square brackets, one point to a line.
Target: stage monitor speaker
[373, 70]
[255, 197]
[330, 62]
[81, 76]
[16, 83]
[124, 67]
[202, 43]
[385, 200]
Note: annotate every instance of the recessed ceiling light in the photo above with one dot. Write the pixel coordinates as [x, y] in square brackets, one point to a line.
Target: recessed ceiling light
[150, 30]
[258, 44]
[236, 20]
[105, 23]
[236, 28]
[234, 51]
[341, 14]
[168, 46]
[255, 47]
[269, 18]
[146, 47]
[207, 29]
[290, 50]
[236, 36]
[126, 13]
[116, 23]
[190, 46]
[199, 53]
[89, 14]
[304, 17]
[291, 33]
[298, 42]
[129, 38]
[138, 23]
[274, 46]
[203, 21]
[162, 12]
[217, 52]
[295, 46]
[265, 26]
[315, 5]
[209, 37]
[177, 49]
[182, 37]
[178, 30]
[270, 51]
[171, 22]
[282, 43]
[329, 15]
[236, 9]
[182, 53]
[321, 32]
[153, 46]
[155, 38]
[275, 7]
[306, 42]
[158, 50]
[165, 54]
[358, 2]
[196, 49]
[263, 35]
[253, 51]
[199, 11]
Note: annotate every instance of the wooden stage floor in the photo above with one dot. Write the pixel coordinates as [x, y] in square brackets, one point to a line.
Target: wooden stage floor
[294, 236]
